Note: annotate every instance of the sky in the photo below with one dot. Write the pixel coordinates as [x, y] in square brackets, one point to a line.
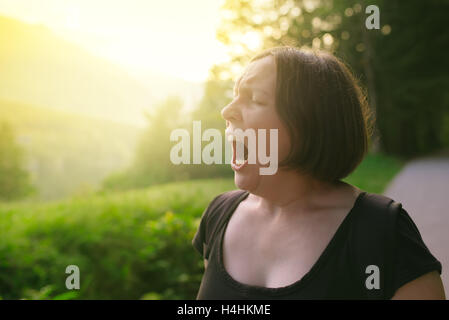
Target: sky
[172, 37]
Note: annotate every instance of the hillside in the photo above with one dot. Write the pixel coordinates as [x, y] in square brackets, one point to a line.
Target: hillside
[66, 152]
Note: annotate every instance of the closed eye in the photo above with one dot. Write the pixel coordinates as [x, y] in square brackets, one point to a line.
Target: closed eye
[258, 101]
[247, 94]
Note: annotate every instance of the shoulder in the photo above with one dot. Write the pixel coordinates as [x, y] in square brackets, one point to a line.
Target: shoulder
[374, 220]
[228, 197]
[412, 257]
[221, 204]
[370, 238]
[212, 218]
[385, 235]
[376, 213]
[376, 202]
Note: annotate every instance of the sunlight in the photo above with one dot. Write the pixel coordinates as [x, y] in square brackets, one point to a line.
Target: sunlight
[252, 40]
[175, 37]
[72, 18]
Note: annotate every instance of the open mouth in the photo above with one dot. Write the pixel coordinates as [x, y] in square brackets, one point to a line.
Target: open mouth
[239, 153]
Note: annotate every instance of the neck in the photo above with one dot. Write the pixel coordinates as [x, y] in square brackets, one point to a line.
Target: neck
[290, 189]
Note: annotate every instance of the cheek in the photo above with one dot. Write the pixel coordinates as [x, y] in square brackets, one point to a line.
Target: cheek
[272, 121]
[284, 142]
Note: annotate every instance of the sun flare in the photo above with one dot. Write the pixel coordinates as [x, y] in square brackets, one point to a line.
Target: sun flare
[175, 38]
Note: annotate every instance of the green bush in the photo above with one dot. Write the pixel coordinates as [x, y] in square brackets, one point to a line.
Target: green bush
[128, 245]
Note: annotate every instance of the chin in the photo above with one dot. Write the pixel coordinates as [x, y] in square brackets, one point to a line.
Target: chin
[246, 181]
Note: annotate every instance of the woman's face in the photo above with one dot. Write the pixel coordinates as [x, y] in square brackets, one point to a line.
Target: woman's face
[254, 107]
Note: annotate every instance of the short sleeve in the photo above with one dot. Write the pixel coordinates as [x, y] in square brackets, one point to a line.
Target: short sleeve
[412, 257]
[199, 240]
[200, 235]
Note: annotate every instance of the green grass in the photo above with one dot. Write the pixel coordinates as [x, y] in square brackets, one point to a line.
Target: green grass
[375, 172]
[128, 245]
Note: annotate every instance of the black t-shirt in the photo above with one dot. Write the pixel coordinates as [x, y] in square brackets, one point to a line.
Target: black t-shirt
[367, 236]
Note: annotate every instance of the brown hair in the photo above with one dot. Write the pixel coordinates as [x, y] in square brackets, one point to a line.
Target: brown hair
[324, 110]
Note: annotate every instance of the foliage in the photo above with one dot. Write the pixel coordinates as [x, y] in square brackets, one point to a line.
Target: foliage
[411, 73]
[127, 245]
[45, 294]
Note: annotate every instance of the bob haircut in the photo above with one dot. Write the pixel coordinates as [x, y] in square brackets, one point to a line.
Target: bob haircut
[325, 112]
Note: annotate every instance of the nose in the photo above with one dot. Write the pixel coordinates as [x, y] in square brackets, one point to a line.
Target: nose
[230, 113]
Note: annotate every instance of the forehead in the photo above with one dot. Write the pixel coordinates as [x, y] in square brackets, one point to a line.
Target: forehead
[260, 73]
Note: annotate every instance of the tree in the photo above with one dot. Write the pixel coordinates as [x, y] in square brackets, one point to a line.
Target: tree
[152, 163]
[411, 77]
[152, 159]
[14, 179]
[402, 65]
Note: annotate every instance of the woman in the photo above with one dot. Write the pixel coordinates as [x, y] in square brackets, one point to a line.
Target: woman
[302, 233]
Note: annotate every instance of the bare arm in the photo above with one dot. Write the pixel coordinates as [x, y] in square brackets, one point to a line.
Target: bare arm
[426, 287]
[205, 263]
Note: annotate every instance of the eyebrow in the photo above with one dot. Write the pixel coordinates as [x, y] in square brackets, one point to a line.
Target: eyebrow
[250, 79]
